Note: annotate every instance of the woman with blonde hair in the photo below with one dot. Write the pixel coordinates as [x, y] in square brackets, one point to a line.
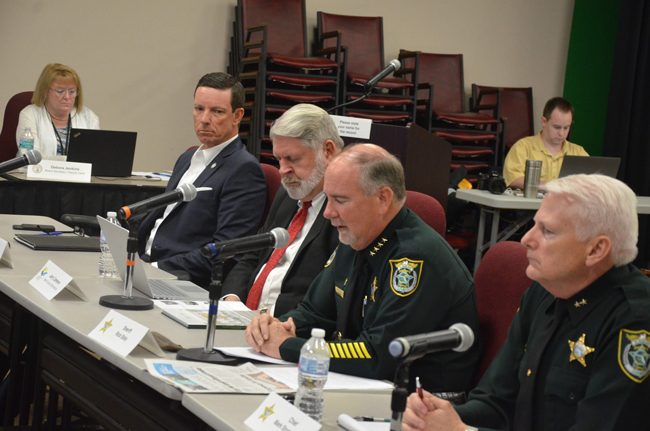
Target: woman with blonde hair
[57, 106]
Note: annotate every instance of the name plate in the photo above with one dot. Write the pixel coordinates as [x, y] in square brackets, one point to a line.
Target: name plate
[51, 280]
[121, 334]
[5, 256]
[275, 413]
[352, 127]
[58, 170]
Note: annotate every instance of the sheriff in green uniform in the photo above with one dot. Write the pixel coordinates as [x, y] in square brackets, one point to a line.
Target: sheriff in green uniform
[577, 356]
[391, 276]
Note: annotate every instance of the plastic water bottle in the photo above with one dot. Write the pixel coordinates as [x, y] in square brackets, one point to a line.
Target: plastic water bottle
[26, 141]
[312, 374]
[107, 267]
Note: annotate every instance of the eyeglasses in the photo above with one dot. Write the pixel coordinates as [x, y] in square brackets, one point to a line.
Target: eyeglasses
[60, 92]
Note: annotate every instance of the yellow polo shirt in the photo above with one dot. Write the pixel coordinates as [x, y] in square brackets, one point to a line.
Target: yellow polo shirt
[532, 148]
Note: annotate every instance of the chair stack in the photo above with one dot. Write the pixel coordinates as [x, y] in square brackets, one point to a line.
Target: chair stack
[474, 134]
[269, 54]
[358, 44]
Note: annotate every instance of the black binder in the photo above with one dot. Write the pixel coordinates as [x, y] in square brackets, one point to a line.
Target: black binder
[59, 242]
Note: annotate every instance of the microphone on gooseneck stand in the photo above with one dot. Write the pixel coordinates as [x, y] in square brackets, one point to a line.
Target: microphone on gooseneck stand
[31, 157]
[183, 193]
[393, 66]
[277, 238]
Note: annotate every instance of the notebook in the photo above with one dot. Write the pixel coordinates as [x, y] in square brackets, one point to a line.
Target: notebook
[58, 242]
[159, 284]
[590, 165]
[110, 152]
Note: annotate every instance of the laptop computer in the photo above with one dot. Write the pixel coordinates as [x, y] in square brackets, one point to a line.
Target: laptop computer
[158, 284]
[110, 152]
[590, 165]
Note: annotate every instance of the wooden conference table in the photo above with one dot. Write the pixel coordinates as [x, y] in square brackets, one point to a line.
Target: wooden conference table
[115, 391]
[493, 204]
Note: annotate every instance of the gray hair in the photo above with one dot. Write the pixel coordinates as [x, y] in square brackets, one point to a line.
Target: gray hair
[308, 123]
[602, 205]
[378, 168]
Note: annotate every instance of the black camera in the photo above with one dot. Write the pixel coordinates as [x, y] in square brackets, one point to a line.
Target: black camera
[491, 181]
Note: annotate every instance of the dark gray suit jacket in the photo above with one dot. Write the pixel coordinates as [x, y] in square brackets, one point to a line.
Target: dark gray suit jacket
[317, 247]
[232, 209]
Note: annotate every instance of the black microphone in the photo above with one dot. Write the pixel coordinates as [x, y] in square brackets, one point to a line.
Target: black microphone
[278, 238]
[459, 337]
[31, 157]
[393, 66]
[184, 193]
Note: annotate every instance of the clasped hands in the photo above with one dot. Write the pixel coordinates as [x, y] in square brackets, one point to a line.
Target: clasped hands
[266, 334]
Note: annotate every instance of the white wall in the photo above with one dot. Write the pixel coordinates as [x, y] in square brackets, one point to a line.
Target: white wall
[140, 59]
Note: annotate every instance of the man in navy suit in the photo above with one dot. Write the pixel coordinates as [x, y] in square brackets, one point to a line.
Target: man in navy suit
[304, 139]
[172, 237]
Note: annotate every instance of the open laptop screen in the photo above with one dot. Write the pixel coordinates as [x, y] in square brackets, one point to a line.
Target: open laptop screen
[110, 152]
[590, 165]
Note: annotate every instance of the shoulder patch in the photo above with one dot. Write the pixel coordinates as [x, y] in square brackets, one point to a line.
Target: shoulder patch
[634, 354]
[405, 275]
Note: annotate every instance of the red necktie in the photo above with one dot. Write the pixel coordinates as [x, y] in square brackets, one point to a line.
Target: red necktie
[296, 225]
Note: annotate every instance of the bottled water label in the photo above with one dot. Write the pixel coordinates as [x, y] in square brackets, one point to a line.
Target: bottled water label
[313, 366]
[26, 144]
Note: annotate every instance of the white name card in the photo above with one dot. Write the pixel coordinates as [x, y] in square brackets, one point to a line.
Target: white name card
[353, 127]
[51, 280]
[5, 256]
[58, 170]
[275, 413]
[121, 334]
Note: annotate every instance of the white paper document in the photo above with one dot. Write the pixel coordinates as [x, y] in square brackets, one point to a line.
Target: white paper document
[335, 381]
[250, 353]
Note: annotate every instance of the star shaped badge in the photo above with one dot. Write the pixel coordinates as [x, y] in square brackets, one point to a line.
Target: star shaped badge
[579, 350]
[268, 411]
[107, 324]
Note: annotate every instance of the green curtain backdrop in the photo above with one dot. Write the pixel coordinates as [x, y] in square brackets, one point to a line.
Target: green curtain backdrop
[589, 69]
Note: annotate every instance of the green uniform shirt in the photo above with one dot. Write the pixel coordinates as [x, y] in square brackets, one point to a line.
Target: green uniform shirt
[408, 281]
[592, 375]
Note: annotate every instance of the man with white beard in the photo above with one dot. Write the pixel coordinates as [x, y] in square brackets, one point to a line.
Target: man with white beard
[305, 139]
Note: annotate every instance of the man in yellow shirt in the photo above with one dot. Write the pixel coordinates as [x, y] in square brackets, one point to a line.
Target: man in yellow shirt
[550, 145]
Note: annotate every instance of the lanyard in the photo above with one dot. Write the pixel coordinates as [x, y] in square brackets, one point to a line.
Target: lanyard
[62, 149]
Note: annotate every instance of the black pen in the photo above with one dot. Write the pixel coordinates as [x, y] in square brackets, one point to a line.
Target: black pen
[370, 419]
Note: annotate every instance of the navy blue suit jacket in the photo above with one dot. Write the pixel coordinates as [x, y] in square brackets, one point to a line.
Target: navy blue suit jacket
[314, 251]
[232, 209]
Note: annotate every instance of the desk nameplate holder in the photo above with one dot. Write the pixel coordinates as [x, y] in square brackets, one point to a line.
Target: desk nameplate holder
[60, 170]
[5, 255]
[121, 335]
[51, 280]
[127, 301]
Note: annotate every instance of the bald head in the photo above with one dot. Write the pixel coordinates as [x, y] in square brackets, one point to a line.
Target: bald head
[365, 189]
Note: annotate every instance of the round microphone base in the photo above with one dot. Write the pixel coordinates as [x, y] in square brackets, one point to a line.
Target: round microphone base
[120, 302]
[200, 355]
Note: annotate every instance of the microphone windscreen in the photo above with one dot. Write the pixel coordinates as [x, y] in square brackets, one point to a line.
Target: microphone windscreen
[466, 336]
[188, 190]
[395, 63]
[33, 157]
[281, 236]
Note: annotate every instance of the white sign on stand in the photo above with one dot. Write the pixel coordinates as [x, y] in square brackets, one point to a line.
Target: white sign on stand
[58, 170]
[121, 334]
[275, 413]
[5, 256]
[51, 280]
[353, 127]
